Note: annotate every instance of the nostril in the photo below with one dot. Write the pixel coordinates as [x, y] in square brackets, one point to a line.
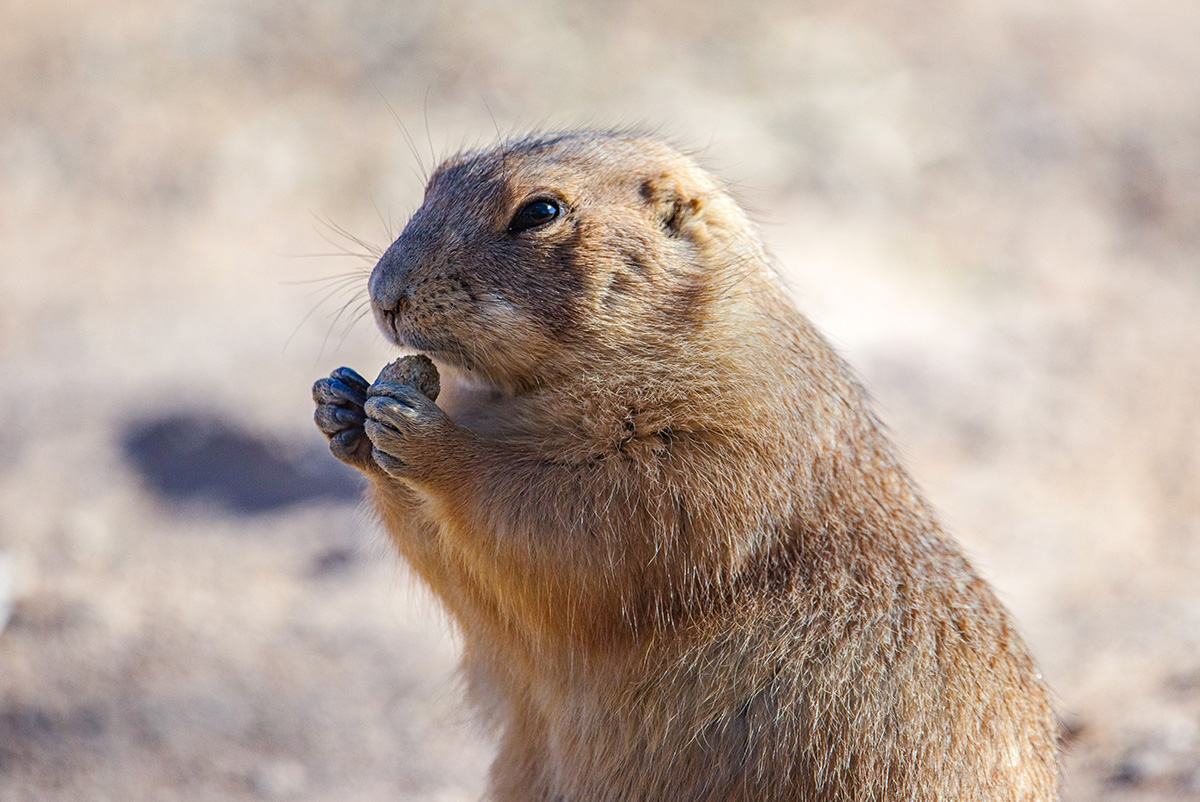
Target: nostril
[390, 314]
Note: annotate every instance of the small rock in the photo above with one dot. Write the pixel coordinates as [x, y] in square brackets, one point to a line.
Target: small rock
[332, 562]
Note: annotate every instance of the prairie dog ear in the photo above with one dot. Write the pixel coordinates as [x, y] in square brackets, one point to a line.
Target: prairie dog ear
[670, 204]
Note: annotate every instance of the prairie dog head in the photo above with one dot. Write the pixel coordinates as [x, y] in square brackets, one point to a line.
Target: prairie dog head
[531, 259]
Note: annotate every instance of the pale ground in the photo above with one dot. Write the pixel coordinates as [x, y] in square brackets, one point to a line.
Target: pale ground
[994, 212]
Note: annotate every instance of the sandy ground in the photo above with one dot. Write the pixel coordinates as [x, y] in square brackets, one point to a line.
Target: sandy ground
[992, 208]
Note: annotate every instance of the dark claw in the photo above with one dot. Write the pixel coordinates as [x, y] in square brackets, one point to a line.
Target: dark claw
[333, 419]
[385, 406]
[351, 379]
[377, 430]
[333, 391]
[391, 465]
[403, 393]
[345, 445]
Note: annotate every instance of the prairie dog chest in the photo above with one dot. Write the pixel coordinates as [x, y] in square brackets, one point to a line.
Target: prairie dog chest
[474, 405]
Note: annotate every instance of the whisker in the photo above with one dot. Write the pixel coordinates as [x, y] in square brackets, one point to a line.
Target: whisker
[361, 313]
[428, 137]
[333, 255]
[408, 140]
[333, 227]
[500, 140]
[340, 289]
[387, 225]
[334, 322]
[358, 274]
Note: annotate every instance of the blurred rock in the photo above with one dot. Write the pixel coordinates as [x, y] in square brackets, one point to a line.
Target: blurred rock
[1142, 766]
[1166, 754]
[332, 562]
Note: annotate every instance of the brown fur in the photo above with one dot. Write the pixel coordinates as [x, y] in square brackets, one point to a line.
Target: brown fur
[683, 557]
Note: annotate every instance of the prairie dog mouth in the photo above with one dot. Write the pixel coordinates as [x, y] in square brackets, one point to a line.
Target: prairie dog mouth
[442, 350]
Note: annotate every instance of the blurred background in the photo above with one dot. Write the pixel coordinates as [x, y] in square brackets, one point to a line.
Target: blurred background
[992, 209]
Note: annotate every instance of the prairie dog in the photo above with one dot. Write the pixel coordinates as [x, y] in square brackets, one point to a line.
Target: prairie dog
[683, 557]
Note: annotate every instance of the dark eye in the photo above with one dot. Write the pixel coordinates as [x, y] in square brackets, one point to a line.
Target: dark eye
[533, 214]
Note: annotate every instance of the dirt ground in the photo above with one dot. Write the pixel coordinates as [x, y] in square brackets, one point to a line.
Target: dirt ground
[992, 208]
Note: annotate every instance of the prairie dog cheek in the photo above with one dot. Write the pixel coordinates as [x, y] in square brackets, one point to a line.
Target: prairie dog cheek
[500, 313]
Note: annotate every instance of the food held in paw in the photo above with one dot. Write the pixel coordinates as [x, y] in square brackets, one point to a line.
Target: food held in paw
[417, 371]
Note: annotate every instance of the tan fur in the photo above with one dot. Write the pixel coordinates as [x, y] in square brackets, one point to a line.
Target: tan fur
[683, 557]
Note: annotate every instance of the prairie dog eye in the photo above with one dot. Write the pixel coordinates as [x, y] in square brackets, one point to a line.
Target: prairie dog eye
[533, 214]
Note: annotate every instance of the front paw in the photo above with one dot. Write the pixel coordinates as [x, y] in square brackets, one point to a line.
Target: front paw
[406, 429]
[340, 417]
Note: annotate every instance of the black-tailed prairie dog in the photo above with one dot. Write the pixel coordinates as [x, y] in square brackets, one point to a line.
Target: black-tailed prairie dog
[683, 557]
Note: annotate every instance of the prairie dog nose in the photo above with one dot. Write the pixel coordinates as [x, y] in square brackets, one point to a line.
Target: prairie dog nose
[388, 285]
